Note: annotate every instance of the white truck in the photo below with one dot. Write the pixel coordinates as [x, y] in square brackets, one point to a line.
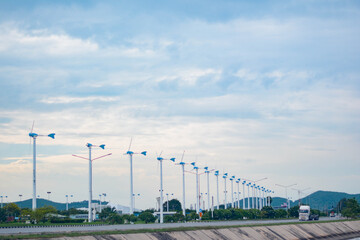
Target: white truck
[305, 214]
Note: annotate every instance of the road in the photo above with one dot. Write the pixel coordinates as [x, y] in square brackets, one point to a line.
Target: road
[38, 230]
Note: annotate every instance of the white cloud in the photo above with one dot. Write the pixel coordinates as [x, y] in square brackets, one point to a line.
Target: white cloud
[69, 100]
[39, 42]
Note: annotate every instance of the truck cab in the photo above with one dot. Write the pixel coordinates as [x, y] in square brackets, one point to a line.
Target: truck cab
[304, 213]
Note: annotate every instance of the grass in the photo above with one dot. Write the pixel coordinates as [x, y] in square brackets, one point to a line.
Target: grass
[75, 234]
[17, 224]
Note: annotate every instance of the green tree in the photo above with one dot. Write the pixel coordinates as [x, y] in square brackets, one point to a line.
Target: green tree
[106, 212]
[40, 213]
[147, 217]
[115, 218]
[267, 212]
[280, 213]
[174, 205]
[12, 209]
[294, 211]
[351, 209]
[3, 215]
[192, 216]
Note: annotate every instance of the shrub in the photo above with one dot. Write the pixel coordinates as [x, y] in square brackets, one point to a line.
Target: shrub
[147, 217]
[115, 218]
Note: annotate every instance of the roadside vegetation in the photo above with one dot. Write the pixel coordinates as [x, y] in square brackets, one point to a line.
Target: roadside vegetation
[12, 215]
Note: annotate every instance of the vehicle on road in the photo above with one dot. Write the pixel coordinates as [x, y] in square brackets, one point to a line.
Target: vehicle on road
[305, 214]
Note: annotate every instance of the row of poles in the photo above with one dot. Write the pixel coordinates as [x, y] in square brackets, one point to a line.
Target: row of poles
[258, 199]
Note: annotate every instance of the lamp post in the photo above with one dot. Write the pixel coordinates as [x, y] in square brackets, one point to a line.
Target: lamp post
[67, 201]
[167, 200]
[34, 136]
[135, 195]
[286, 187]
[160, 159]
[90, 146]
[48, 193]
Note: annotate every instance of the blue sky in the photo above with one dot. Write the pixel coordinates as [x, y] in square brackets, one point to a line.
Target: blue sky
[256, 89]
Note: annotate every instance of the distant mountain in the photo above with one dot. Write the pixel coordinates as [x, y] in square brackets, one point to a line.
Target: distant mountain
[326, 200]
[41, 202]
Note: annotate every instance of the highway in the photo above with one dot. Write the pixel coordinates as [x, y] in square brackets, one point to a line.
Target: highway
[64, 229]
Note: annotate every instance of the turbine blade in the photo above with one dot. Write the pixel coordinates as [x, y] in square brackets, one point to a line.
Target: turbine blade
[130, 143]
[182, 156]
[32, 128]
[161, 153]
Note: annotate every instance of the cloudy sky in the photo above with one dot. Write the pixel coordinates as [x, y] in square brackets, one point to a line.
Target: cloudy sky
[256, 89]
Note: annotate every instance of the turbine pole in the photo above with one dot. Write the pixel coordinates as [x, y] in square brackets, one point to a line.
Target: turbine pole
[248, 205]
[225, 193]
[208, 189]
[238, 195]
[197, 191]
[161, 194]
[243, 196]
[90, 187]
[34, 175]
[217, 189]
[183, 178]
[232, 192]
[131, 186]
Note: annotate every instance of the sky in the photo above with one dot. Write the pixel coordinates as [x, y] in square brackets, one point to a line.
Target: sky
[257, 89]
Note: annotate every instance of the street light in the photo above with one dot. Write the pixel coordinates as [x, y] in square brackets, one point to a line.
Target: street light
[48, 193]
[67, 201]
[90, 146]
[160, 159]
[286, 187]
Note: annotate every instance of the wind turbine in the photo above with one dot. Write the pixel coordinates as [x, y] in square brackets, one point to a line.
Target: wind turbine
[160, 159]
[197, 188]
[130, 153]
[286, 187]
[243, 197]
[217, 188]
[248, 185]
[238, 192]
[224, 177]
[183, 182]
[90, 146]
[232, 191]
[207, 172]
[34, 136]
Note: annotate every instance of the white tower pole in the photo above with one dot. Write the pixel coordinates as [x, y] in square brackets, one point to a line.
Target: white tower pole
[90, 187]
[161, 194]
[225, 206]
[183, 178]
[253, 195]
[243, 196]
[238, 195]
[131, 186]
[232, 192]
[167, 202]
[197, 191]
[217, 191]
[34, 175]
[67, 203]
[208, 189]
[248, 205]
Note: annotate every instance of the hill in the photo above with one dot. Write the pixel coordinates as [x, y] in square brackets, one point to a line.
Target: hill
[59, 206]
